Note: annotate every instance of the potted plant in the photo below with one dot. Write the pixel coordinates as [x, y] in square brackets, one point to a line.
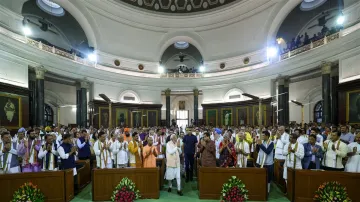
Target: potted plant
[125, 191]
[28, 192]
[234, 190]
[331, 192]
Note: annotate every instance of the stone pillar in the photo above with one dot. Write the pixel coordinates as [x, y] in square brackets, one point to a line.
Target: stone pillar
[326, 70]
[281, 101]
[40, 107]
[286, 103]
[58, 116]
[78, 106]
[32, 99]
[84, 85]
[334, 96]
[196, 107]
[167, 94]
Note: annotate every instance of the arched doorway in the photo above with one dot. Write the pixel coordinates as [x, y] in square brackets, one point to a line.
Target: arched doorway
[318, 112]
[49, 115]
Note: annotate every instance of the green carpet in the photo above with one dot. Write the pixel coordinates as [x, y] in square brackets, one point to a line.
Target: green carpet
[190, 194]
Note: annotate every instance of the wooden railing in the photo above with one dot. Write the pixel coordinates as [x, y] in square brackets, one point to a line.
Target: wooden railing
[312, 45]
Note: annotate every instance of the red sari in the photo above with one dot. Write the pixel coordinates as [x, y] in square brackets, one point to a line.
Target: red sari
[228, 159]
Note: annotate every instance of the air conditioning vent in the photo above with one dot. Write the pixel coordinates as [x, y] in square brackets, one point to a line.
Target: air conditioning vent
[234, 97]
[129, 98]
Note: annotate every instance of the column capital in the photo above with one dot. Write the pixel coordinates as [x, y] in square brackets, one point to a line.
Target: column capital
[167, 92]
[85, 84]
[40, 72]
[325, 67]
[196, 92]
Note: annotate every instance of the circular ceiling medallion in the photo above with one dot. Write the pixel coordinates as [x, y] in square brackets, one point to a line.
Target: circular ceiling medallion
[205, 5]
[50, 7]
[140, 2]
[246, 60]
[141, 67]
[188, 7]
[181, 45]
[157, 6]
[222, 1]
[117, 63]
[222, 65]
[172, 7]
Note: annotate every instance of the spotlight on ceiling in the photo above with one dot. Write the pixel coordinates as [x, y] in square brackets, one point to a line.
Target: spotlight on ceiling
[202, 68]
[160, 69]
[341, 19]
[272, 52]
[27, 31]
[92, 57]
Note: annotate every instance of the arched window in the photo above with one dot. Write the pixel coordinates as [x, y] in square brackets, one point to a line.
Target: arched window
[49, 115]
[318, 110]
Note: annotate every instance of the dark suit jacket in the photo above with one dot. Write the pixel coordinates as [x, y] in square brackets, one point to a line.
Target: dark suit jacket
[308, 154]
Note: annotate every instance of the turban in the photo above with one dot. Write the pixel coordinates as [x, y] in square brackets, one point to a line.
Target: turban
[218, 131]
[21, 130]
[127, 130]
[47, 129]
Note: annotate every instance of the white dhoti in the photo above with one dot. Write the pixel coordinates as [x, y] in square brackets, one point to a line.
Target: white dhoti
[172, 173]
[353, 164]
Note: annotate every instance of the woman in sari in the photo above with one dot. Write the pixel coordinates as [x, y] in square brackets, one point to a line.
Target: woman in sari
[227, 152]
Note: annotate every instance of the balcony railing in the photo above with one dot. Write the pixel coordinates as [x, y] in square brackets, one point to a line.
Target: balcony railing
[181, 75]
[56, 51]
[312, 45]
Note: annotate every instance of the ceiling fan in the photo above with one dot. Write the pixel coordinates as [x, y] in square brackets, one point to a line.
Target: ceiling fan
[322, 20]
[181, 58]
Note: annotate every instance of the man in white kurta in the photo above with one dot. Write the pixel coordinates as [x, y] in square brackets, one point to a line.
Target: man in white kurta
[120, 150]
[353, 163]
[293, 152]
[173, 151]
[102, 152]
[335, 151]
[242, 150]
[8, 155]
[49, 155]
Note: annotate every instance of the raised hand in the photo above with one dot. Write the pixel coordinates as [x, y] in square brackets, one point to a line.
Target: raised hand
[333, 147]
[354, 150]
[48, 147]
[7, 147]
[314, 150]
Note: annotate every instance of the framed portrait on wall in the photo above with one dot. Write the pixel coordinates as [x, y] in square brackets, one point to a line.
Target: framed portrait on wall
[152, 118]
[121, 117]
[256, 115]
[353, 106]
[211, 117]
[226, 117]
[104, 117]
[10, 107]
[181, 105]
[136, 118]
[242, 116]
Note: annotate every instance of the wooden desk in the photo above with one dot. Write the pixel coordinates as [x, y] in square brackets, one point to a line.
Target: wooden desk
[290, 188]
[56, 186]
[211, 181]
[307, 182]
[160, 163]
[278, 174]
[105, 181]
[83, 174]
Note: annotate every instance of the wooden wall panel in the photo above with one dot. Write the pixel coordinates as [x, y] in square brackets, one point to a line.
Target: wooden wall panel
[69, 184]
[105, 180]
[212, 179]
[51, 184]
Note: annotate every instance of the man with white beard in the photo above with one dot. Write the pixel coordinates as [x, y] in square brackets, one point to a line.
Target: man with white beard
[173, 151]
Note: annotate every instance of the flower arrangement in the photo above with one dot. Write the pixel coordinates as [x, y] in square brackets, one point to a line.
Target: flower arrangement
[28, 192]
[331, 192]
[125, 191]
[234, 190]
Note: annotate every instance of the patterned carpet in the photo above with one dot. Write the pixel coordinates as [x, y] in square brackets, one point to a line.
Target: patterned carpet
[190, 194]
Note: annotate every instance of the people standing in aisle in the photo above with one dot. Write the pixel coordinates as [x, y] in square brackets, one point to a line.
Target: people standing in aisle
[208, 151]
[173, 152]
[190, 142]
[149, 154]
[265, 159]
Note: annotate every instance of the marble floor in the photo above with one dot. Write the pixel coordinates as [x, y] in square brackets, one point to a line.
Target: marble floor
[190, 194]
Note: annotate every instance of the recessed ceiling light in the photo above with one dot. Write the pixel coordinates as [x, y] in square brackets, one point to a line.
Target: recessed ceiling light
[181, 45]
[50, 7]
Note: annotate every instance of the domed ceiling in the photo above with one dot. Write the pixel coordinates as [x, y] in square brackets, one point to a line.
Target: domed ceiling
[177, 6]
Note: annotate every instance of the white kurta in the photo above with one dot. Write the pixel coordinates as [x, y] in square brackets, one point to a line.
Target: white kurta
[121, 152]
[103, 159]
[7, 160]
[290, 158]
[303, 139]
[353, 163]
[333, 159]
[173, 172]
[42, 155]
[242, 159]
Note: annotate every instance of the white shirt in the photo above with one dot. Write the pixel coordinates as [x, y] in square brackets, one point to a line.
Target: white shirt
[279, 149]
[217, 146]
[353, 163]
[42, 154]
[333, 159]
[290, 158]
[121, 153]
[303, 139]
[102, 157]
[242, 159]
[65, 156]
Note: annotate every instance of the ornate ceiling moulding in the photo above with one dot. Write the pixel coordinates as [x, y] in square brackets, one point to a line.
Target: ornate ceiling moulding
[141, 67]
[177, 6]
[117, 63]
[222, 66]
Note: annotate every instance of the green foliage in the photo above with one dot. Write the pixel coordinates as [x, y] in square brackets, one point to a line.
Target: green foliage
[234, 190]
[331, 192]
[125, 191]
[28, 192]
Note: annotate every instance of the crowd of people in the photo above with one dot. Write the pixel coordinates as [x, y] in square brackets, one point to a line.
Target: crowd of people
[37, 149]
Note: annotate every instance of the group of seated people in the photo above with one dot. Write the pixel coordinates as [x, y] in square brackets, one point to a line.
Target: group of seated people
[308, 147]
